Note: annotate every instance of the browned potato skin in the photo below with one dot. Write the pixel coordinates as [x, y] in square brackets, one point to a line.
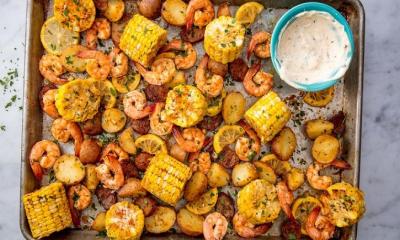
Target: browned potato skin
[132, 188]
[147, 204]
[325, 149]
[162, 219]
[90, 151]
[190, 224]
[284, 144]
[265, 172]
[93, 127]
[217, 176]
[196, 186]
[243, 173]
[295, 178]
[233, 107]
[174, 12]
[317, 127]
[150, 8]
[99, 223]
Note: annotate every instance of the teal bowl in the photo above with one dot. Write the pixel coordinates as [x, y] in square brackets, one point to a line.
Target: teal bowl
[286, 19]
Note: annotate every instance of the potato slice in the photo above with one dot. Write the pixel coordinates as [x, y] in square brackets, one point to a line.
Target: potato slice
[196, 186]
[284, 144]
[325, 149]
[243, 173]
[295, 178]
[127, 141]
[69, 170]
[132, 188]
[113, 120]
[174, 12]
[233, 107]
[265, 171]
[217, 176]
[190, 224]
[317, 127]
[205, 203]
[99, 223]
[162, 219]
[91, 180]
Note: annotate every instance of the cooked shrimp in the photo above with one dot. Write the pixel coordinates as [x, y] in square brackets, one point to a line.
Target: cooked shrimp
[223, 10]
[80, 196]
[209, 85]
[248, 147]
[318, 226]
[43, 155]
[185, 56]
[63, 130]
[50, 66]
[101, 29]
[257, 82]
[110, 173]
[99, 65]
[246, 229]
[217, 67]
[323, 182]
[119, 63]
[162, 71]
[215, 226]
[190, 140]
[260, 44]
[285, 197]
[114, 150]
[135, 105]
[200, 161]
[199, 13]
[157, 124]
[49, 106]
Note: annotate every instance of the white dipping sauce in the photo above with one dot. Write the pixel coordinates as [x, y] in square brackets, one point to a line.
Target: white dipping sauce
[313, 48]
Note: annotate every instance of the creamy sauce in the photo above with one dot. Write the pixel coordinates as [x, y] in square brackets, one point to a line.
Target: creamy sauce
[313, 48]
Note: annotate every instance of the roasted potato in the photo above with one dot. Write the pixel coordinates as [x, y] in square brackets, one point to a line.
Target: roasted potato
[132, 188]
[317, 127]
[280, 168]
[243, 173]
[69, 170]
[233, 107]
[115, 10]
[147, 204]
[162, 219]
[90, 151]
[109, 98]
[217, 176]
[127, 141]
[150, 8]
[295, 178]
[325, 149]
[205, 203]
[91, 180]
[265, 171]
[284, 144]
[174, 12]
[99, 223]
[196, 186]
[225, 205]
[113, 120]
[190, 224]
[93, 126]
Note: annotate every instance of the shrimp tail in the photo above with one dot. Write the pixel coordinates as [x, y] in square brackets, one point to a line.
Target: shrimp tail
[250, 48]
[75, 214]
[341, 164]
[37, 170]
[141, 69]
[176, 133]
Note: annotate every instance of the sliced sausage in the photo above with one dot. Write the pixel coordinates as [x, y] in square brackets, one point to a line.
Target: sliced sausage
[228, 157]
[156, 93]
[141, 126]
[211, 123]
[142, 160]
[93, 126]
[107, 197]
[90, 151]
[193, 35]
[129, 169]
[238, 69]
[225, 205]
[147, 204]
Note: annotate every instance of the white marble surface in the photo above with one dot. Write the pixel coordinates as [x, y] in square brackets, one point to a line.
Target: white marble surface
[380, 136]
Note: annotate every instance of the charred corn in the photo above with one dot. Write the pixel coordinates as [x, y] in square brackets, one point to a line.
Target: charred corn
[165, 178]
[224, 39]
[141, 39]
[268, 116]
[47, 210]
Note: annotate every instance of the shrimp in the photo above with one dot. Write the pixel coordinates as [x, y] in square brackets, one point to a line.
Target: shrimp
[43, 155]
[211, 86]
[260, 44]
[246, 229]
[119, 63]
[114, 150]
[50, 66]
[157, 124]
[257, 82]
[80, 196]
[223, 10]
[248, 147]
[200, 162]
[62, 130]
[48, 101]
[135, 105]
[162, 71]
[199, 13]
[185, 56]
[190, 140]
[215, 226]
[323, 182]
[110, 173]
[101, 29]
[99, 65]
[285, 197]
[318, 226]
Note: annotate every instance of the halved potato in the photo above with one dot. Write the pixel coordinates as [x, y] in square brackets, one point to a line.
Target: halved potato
[217, 176]
[99, 223]
[265, 171]
[69, 170]
[325, 149]
[190, 224]
[196, 186]
[115, 10]
[132, 188]
[174, 12]
[127, 141]
[91, 180]
[317, 127]
[243, 173]
[162, 219]
[284, 144]
[205, 203]
[233, 107]
[113, 120]
[295, 178]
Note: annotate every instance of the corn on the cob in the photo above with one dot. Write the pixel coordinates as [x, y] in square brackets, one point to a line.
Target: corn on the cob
[141, 39]
[47, 210]
[268, 116]
[224, 39]
[165, 178]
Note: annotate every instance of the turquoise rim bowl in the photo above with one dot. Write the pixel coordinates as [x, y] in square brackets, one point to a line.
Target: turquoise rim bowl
[286, 19]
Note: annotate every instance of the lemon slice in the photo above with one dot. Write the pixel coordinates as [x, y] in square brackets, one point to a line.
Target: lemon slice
[55, 38]
[302, 207]
[205, 203]
[320, 98]
[109, 94]
[247, 13]
[279, 167]
[151, 143]
[127, 83]
[226, 135]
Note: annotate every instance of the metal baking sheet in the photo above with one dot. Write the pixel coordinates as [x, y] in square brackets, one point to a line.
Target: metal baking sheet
[348, 96]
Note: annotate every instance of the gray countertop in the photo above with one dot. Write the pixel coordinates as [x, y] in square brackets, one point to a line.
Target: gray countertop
[380, 134]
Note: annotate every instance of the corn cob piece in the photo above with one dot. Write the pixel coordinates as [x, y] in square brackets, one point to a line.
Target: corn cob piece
[268, 116]
[47, 210]
[165, 178]
[224, 39]
[142, 39]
